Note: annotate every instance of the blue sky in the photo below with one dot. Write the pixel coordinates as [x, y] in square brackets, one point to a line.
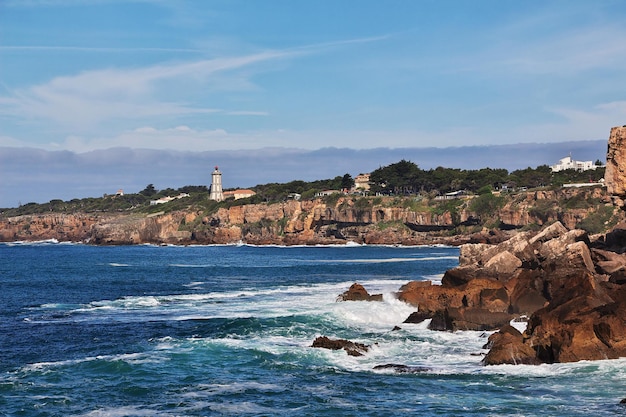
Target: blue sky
[83, 75]
[282, 90]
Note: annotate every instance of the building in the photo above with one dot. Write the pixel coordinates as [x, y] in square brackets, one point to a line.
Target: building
[238, 194]
[453, 195]
[569, 163]
[167, 199]
[326, 193]
[216, 186]
[362, 182]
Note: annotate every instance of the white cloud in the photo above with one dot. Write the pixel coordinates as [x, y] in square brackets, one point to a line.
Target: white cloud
[82, 102]
[247, 113]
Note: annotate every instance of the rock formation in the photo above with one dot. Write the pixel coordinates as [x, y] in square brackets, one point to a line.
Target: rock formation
[351, 348]
[357, 292]
[307, 222]
[573, 290]
[615, 175]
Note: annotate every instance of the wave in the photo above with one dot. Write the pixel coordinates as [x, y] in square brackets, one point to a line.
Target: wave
[38, 242]
[387, 260]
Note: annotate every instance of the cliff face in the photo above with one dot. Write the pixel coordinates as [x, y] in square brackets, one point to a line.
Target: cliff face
[570, 206]
[615, 175]
[63, 227]
[306, 222]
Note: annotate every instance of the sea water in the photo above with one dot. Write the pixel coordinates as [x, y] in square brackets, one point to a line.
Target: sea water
[227, 330]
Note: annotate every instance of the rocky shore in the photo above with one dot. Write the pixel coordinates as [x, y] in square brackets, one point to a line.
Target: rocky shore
[387, 221]
[569, 286]
[570, 289]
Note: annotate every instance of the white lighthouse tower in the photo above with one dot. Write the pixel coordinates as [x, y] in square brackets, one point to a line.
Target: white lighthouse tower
[216, 186]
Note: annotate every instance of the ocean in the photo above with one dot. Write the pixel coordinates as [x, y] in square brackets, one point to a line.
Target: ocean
[227, 330]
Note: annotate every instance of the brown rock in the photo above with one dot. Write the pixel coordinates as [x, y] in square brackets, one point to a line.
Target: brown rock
[471, 253]
[556, 229]
[507, 347]
[357, 292]
[615, 174]
[554, 248]
[503, 263]
[518, 245]
[351, 348]
[418, 317]
[461, 275]
[527, 291]
[453, 319]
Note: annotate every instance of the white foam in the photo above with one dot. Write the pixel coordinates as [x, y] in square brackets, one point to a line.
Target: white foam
[125, 357]
[125, 411]
[373, 315]
[385, 260]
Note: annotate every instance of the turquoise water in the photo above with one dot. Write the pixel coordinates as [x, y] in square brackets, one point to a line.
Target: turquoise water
[227, 330]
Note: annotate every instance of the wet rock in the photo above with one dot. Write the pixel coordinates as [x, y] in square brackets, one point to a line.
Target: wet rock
[454, 319]
[357, 292]
[507, 347]
[402, 369]
[418, 317]
[351, 348]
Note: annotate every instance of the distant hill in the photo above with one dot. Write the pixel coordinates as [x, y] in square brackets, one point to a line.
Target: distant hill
[35, 175]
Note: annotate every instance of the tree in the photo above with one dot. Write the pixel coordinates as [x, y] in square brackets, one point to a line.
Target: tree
[149, 191]
[399, 178]
[347, 182]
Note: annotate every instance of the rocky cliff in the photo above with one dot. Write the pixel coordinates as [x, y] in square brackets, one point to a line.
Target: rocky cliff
[361, 220]
[615, 175]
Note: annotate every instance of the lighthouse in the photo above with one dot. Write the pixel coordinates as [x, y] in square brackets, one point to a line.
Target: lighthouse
[216, 186]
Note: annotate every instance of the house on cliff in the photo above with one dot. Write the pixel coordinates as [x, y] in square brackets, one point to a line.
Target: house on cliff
[569, 163]
[238, 194]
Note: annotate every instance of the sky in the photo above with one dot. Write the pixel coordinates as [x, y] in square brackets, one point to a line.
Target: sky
[192, 76]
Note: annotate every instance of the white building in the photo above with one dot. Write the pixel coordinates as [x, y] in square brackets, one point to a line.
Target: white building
[569, 163]
[167, 199]
[238, 194]
[217, 193]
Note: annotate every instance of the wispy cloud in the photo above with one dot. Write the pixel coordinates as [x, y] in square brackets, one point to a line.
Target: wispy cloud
[57, 48]
[92, 97]
[88, 99]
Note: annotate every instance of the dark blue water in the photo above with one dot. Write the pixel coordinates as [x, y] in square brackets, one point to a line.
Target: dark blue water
[227, 330]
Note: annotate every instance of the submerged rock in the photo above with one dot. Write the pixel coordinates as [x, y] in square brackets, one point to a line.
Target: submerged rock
[402, 369]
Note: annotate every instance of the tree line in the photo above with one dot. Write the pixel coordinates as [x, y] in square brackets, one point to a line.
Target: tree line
[406, 178]
[402, 178]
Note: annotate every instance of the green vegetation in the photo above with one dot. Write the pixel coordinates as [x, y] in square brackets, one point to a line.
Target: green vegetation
[402, 184]
[406, 178]
[599, 221]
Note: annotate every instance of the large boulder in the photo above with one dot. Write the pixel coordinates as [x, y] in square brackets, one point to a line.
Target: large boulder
[507, 347]
[463, 318]
[519, 245]
[584, 321]
[608, 262]
[527, 291]
[471, 253]
[555, 230]
[430, 298]
[503, 264]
